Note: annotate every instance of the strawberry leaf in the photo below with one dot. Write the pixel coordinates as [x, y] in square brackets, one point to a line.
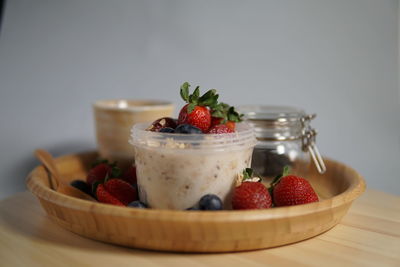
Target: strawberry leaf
[233, 115]
[116, 172]
[185, 91]
[196, 93]
[191, 107]
[247, 173]
[217, 114]
[286, 171]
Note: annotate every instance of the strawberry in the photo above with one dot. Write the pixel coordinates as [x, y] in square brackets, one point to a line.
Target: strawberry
[251, 194]
[121, 190]
[199, 117]
[230, 124]
[98, 173]
[225, 114]
[220, 129]
[130, 175]
[292, 190]
[196, 112]
[162, 123]
[105, 197]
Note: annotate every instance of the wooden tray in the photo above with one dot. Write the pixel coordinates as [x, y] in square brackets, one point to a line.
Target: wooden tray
[197, 231]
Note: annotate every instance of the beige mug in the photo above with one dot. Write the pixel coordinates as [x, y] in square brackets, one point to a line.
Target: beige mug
[114, 120]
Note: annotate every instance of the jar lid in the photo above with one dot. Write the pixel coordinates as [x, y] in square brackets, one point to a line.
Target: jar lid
[272, 113]
[274, 122]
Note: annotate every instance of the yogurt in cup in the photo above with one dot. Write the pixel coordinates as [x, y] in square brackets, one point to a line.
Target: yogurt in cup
[175, 170]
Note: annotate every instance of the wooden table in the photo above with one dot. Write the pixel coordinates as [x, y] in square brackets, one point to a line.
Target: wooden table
[369, 235]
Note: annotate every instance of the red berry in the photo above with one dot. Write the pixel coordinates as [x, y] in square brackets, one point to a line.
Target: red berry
[162, 123]
[220, 129]
[121, 190]
[251, 195]
[98, 173]
[130, 175]
[293, 190]
[199, 117]
[105, 197]
[230, 124]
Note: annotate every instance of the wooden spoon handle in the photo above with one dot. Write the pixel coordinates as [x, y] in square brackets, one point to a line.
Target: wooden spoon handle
[47, 160]
[61, 187]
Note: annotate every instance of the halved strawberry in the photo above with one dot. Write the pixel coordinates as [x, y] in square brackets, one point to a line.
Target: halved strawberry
[105, 197]
[121, 190]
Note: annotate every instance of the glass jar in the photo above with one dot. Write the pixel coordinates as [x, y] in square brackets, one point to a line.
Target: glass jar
[285, 138]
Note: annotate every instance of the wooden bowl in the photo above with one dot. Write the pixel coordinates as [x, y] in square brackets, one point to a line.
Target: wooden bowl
[197, 231]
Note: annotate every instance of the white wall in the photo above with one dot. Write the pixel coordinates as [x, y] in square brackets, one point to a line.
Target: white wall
[336, 58]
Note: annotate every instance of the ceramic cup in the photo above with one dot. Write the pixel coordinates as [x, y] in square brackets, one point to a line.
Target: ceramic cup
[114, 120]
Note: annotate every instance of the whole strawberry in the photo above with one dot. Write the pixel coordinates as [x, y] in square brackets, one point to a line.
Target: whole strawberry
[251, 194]
[196, 112]
[292, 190]
[199, 117]
[226, 115]
[130, 176]
[98, 172]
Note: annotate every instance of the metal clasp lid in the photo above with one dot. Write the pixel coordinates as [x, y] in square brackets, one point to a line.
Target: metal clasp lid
[308, 142]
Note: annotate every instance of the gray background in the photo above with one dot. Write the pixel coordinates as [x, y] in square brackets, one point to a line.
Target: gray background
[336, 58]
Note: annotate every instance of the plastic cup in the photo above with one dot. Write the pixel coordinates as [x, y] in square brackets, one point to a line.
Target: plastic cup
[175, 170]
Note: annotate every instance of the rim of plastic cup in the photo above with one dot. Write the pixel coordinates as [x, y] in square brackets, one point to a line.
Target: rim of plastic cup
[242, 138]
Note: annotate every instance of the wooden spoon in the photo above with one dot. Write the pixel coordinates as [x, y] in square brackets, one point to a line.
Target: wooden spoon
[59, 185]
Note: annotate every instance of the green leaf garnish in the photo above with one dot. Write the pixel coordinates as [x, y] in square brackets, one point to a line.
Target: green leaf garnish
[185, 91]
[191, 107]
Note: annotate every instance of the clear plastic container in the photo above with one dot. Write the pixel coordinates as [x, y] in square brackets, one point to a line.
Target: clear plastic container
[175, 170]
[285, 138]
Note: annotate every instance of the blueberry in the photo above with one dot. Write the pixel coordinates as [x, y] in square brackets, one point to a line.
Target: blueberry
[210, 202]
[137, 204]
[81, 185]
[167, 130]
[187, 129]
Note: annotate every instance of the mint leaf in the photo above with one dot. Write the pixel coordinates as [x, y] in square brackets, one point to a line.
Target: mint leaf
[185, 91]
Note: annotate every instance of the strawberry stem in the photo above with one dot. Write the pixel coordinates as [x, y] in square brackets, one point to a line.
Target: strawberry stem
[285, 172]
[209, 99]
